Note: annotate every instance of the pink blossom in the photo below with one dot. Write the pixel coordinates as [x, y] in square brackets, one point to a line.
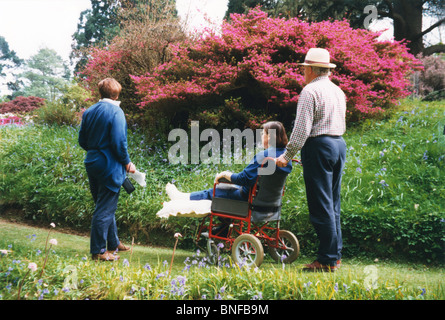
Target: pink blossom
[256, 50]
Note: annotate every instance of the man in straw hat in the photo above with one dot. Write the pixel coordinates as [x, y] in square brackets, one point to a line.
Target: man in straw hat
[319, 126]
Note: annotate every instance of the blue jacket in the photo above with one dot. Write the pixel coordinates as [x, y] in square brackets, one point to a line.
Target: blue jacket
[103, 134]
[247, 178]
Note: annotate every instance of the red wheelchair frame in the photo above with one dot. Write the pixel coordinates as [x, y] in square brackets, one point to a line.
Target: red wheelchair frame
[246, 238]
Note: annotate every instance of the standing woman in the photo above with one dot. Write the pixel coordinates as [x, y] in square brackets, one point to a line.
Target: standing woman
[103, 134]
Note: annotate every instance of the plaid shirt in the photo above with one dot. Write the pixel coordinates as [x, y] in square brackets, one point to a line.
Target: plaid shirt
[321, 110]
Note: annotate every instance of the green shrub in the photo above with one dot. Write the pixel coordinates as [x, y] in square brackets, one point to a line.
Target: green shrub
[58, 113]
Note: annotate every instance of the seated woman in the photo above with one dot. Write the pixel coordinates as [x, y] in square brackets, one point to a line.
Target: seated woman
[274, 140]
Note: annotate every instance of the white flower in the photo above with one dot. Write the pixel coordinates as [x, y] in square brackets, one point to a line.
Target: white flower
[53, 241]
[32, 266]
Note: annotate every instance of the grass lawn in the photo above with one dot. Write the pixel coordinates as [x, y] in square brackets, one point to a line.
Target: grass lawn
[144, 274]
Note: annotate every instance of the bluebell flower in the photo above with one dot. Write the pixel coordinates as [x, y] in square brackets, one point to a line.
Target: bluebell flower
[147, 267]
[383, 183]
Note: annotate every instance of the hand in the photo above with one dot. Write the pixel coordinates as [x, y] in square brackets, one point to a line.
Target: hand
[130, 167]
[281, 162]
[223, 175]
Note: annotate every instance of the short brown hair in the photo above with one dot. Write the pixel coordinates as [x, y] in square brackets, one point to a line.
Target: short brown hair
[280, 133]
[109, 88]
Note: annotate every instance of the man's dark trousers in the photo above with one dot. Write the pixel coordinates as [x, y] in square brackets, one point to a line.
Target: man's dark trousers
[323, 160]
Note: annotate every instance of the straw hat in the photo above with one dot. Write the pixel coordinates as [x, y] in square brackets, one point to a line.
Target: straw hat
[318, 57]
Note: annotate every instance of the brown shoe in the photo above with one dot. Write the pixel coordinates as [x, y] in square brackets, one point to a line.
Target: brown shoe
[106, 256]
[121, 248]
[317, 266]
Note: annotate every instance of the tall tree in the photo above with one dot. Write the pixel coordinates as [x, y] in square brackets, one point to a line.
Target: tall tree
[96, 27]
[8, 58]
[9, 67]
[45, 76]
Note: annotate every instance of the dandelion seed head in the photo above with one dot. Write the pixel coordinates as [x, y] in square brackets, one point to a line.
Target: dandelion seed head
[32, 266]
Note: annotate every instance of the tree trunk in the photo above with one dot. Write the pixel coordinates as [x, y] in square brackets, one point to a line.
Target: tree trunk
[407, 15]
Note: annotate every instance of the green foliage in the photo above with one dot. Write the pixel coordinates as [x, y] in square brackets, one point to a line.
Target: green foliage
[242, 6]
[392, 193]
[42, 171]
[58, 113]
[76, 97]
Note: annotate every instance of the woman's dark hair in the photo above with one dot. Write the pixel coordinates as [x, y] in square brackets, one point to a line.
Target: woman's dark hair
[109, 88]
[278, 136]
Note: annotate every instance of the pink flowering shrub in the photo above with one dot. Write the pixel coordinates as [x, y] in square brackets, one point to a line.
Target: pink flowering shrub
[102, 63]
[255, 58]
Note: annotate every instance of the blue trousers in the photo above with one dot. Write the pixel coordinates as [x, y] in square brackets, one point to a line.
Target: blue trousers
[323, 160]
[230, 193]
[103, 225]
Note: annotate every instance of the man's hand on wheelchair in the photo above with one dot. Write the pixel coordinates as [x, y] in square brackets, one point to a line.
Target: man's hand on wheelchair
[281, 162]
[225, 175]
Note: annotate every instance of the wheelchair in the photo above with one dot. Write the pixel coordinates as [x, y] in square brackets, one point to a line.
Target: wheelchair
[254, 224]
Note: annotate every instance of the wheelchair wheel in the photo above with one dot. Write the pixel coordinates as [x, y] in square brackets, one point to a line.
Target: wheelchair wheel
[287, 253]
[247, 250]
